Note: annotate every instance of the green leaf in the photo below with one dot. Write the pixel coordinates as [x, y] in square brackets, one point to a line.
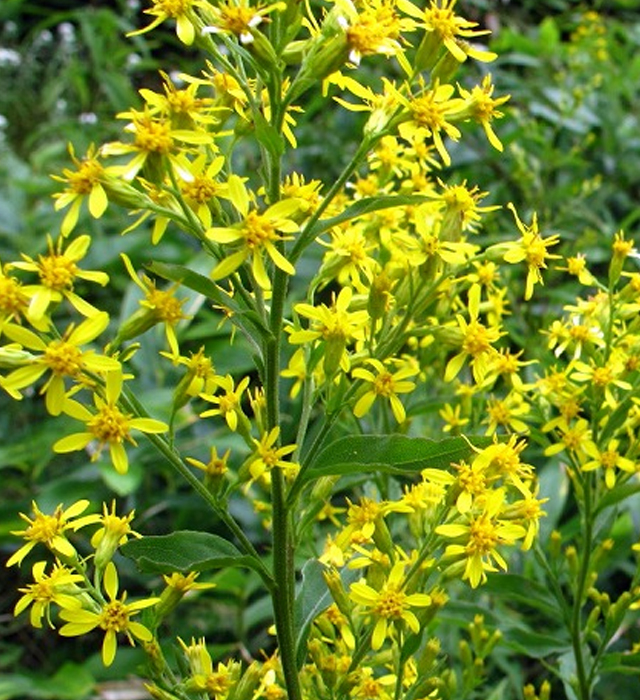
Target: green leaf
[313, 597]
[534, 644]
[524, 591]
[183, 551]
[615, 495]
[620, 662]
[70, 682]
[205, 286]
[391, 454]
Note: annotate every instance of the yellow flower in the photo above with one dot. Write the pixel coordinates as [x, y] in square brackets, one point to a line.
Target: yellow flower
[200, 377]
[83, 183]
[13, 300]
[158, 306]
[239, 18]
[462, 212]
[472, 483]
[63, 357]
[214, 470]
[202, 190]
[229, 403]
[114, 532]
[50, 530]
[608, 459]
[507, 413]
[182, 11]
[574, 436]
[577, 266]
[107, 424]
[453, 419]
[335, 326]
[385, 384]
[482, 108]
[177, 586]
[114, 618]
[427, 115]
[531, 248]
[602, 377]
[155, 143]
[58, 271]
[476, 343]
[390, 605]
[55, 587]
[383, 106]
[479, 537]
[501, 460]
[448, 28]
[183, 107]
[268, 456]
[257, 233]
[216, 683]
[372, 28]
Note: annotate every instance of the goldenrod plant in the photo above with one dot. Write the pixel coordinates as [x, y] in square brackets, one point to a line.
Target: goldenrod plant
[388, 432]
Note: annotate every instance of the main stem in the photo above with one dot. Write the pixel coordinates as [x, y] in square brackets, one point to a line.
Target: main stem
[583, 574]
[283, 594]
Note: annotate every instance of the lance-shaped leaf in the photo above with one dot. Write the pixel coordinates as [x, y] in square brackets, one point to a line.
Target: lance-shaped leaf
[184, 551]
[390, 454]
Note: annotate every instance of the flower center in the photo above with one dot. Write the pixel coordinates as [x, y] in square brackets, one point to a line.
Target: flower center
[372, 29]
[482, 536]
[63, 358]
[384, 385]
[57, 272]
[499, 413]
[217, 684]
[442, 21]
[88, 175]
[477, 339]
[109, 425]
[114, 616]
[173, 8]
[269, 456]
[167, 307]
[426, 112]
[153, 137]
[609, 459]
[390, 604]
[11, 299]
[202, 189]
[238, 20]
[602, 376]
[228, 402]
[257, 230]
[44, 528]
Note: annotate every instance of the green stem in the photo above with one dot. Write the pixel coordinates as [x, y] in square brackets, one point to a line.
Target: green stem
[583, 575]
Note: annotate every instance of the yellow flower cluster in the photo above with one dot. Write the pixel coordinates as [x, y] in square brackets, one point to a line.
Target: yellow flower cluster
[404, 319]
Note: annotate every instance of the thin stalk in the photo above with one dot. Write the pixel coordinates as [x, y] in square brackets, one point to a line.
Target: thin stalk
[308, 233]
[176, 462]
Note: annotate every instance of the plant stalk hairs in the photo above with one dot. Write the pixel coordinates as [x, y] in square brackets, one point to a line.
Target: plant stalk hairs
[389, 434]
